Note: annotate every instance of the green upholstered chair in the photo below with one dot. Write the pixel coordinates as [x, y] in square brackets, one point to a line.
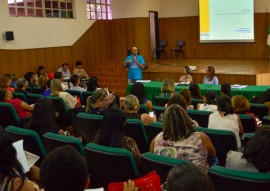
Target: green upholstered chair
[135, 129]
[161, 101]
[85, 95]
[37, 90]
[195, 102]
[52, 140]
[31, 140]
[153, 129]
[76, 93]
[88, 124]
[32, 98]
[225, 179]
[143, 109]
[9, 116]
[260, 110]
[223, 141]
[202, 117]
[248, 122]
[247, 137]
[266, 120]
[158, 110]
[20, 96]
[109, 164]
[161, 164]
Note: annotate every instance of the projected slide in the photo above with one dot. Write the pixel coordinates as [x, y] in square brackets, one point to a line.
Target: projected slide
[226, 21]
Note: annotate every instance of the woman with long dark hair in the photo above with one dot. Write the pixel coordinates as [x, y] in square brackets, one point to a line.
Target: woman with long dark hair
[139, 91]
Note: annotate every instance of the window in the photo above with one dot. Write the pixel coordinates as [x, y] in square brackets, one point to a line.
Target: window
[99, 9]
[41, 8]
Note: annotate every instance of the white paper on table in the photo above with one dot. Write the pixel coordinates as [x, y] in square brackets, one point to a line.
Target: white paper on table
[21, 155]
[143, 81]
[238, 86]
[95, 189]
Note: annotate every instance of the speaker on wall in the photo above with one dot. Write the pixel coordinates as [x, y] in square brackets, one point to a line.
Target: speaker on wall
[9, 35]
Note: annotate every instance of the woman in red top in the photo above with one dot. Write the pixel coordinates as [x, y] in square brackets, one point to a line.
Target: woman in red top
[22, 108]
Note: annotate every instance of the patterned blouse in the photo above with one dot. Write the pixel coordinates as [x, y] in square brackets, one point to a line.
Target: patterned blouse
[190, 149]
[186, 78]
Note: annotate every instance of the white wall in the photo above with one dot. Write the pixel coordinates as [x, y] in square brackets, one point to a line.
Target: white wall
[42, 32]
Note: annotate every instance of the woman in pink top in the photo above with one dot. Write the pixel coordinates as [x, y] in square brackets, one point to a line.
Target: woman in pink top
[22, 108]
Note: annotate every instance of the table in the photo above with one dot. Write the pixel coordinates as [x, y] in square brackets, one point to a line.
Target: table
[152, 89]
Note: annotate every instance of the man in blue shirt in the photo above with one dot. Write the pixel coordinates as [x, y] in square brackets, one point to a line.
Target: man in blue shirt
[135, 64]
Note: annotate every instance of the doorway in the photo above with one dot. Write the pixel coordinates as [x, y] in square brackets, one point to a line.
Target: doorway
[154, 34]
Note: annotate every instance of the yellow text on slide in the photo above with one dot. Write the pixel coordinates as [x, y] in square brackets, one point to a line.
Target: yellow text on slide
[204, 16]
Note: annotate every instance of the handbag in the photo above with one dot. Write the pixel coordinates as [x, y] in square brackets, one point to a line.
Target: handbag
[149, 182]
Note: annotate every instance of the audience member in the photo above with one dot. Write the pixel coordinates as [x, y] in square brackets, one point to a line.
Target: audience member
[195, 91]
[139, 91]
[65, 71]
[22, 108]
[59, 75]
[41, 71]
[179, 139]
[187, 96]
[12, 175]
[21, 86]
[112, 134]
[226, 89]
[262, 99]
[209, 100]
[42, 81]
[47, 91]
[256, 154]
[168, 88]
[80, 71]
[57, 90]
[99, 102]
[131, 106]
[225, 118]
[29, 76]
[5, 82]
[187, 77]
[14, 80]
[64, 169]
[210, 77]
[75, 80]
[92, 84]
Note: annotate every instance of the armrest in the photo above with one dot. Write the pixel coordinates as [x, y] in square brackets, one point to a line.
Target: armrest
[25, 120]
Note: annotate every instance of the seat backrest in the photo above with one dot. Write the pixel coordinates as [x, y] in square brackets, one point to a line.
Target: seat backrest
[266, 120]
[37, 90]
[32, 98]
[31, 140]
[229, 179]
[109, 164]
[163, 43]
[9, 115]
[158, 110]
[85, 95]
[76, 93]
[260, 110]
[195, 102]
[153, 129]
[20, 96]
[161, 101]
[202, 117]
[161, 164]
[248, 122]
[223, 141]
[143, 109]
[88, 124]
[52, 140]
[180, 43]
[135, 129]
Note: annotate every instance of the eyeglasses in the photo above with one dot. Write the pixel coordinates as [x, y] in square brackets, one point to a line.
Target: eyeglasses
[164, 186]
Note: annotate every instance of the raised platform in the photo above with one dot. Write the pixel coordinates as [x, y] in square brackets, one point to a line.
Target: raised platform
[248, 72]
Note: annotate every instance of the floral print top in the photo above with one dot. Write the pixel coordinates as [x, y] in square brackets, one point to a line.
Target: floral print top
[190, 149]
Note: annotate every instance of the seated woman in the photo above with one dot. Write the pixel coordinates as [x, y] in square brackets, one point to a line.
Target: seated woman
[57, 90]
[131, 106]
[21, 86]
[92, 84]
[195, 91]
[42, 80]
[80, 71]
[187, 96]
[44, 118]
[209, 100]
[75, 80]
[226, 89]
[5, 82]
[99, 102]
[210, 77]
[226, 119]
[12, 175]
[241, 105]
[22, 108]
[187, 77]
[256, 154]
[168, 88]
[139, 91]
[112, 134]
[179, 139]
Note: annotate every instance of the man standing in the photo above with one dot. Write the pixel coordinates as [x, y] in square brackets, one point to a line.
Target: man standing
[135, 64]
